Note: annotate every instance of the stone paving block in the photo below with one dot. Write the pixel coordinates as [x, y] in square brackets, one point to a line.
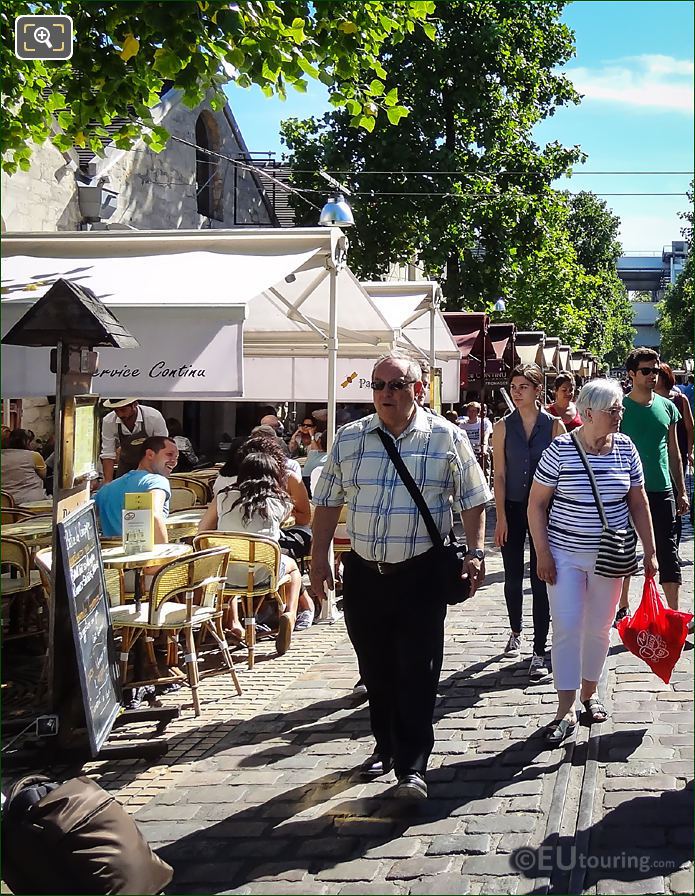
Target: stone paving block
[629, 887]
[459, 844]
[500, 885]
[357, 870]
[653, 782]
[441, 885]
[492, 865]
[634, 769]
[166, 812]
[618, 797]
[521, 787]
[485, 806]
[682, 881]
[500, 824]
[272, 871]
[398, 848]
[422, 866]
[445, 825]
[382, 887]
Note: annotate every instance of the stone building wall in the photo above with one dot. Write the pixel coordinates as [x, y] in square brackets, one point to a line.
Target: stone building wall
[154, 192]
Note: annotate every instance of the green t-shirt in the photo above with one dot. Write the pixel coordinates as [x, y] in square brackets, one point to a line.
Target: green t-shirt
[648, 427]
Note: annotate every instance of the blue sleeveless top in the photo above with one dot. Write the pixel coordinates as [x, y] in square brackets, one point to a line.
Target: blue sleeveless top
[521, 456]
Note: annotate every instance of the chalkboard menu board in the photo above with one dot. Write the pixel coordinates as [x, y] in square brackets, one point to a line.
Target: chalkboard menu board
[80, 566]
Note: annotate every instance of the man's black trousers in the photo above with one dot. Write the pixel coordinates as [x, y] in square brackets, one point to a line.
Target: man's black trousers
[396, 625]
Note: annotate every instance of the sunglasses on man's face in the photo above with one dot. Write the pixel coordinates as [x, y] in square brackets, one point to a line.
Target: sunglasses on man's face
[648, 371]
[393, 385]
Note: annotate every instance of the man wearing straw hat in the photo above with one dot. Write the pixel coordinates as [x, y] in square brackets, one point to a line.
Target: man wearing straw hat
[124, 431]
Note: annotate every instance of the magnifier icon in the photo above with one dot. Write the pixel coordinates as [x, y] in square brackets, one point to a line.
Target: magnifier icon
[43, 36]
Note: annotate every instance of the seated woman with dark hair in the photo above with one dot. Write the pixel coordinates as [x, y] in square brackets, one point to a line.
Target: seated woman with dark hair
[257, 504]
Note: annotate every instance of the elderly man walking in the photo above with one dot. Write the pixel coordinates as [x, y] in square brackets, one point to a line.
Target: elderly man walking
[394, 609]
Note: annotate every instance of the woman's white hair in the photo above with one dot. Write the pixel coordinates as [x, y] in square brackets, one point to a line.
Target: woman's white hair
[599, 395]
[414, 371]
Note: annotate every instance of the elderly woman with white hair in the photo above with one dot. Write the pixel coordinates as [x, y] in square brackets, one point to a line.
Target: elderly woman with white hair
[567, 540]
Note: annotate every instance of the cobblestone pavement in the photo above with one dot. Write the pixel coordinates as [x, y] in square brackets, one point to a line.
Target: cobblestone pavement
[261, 795]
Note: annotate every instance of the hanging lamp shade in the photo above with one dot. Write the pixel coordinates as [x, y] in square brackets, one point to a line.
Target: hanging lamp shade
[336, 213]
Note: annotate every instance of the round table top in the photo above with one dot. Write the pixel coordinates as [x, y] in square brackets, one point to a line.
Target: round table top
[45, 505]
[30, 530]
[159, 556]
[185, 520]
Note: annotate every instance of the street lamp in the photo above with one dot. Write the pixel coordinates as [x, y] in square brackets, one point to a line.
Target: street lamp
[336, 212]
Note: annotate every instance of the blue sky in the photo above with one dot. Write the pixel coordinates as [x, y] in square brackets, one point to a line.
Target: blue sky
[634, 66]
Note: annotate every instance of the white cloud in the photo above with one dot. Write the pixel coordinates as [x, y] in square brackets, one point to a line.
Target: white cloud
[649, 81]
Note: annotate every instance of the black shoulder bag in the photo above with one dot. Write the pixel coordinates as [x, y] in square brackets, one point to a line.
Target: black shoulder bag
[617, 549]
[450, 555]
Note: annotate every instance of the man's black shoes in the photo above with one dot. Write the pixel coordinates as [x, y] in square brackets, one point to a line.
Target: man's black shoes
[376, 766]
[412, 787]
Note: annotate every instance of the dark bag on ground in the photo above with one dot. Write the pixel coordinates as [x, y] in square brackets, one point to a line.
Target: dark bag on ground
[74, 838]
[450, 555]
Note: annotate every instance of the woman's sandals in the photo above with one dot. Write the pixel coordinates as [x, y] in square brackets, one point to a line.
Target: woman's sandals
[596, 709]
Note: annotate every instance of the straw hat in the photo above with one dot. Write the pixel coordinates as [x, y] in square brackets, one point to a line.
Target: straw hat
[113, 403]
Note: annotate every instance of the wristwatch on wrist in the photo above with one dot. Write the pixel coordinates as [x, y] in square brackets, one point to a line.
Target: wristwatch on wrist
[476, 554]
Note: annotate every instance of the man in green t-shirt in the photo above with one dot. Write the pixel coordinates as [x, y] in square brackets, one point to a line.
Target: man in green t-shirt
[650, 421]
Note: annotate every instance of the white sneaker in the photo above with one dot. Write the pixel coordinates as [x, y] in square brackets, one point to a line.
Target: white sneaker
[513, 647]
[538, 670]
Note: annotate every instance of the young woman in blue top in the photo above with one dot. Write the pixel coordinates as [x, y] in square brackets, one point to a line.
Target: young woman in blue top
[518, 440]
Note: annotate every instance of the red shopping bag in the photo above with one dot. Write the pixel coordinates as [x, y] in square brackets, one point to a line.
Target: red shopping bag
[655, 633]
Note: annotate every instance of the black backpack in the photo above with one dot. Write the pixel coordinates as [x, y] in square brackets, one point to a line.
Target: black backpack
[74, 838]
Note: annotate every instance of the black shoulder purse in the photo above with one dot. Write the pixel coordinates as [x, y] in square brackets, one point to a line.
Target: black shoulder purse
[450, 555]
[617, 550]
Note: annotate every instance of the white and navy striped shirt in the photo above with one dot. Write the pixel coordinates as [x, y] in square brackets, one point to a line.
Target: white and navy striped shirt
[574, 523]
[383, 522]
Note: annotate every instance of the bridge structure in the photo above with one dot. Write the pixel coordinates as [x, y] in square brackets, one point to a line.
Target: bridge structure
[650, 272]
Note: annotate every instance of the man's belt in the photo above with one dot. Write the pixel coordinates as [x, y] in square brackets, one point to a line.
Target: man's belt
[390, 569]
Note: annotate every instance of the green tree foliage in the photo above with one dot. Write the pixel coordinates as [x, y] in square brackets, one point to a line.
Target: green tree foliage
[461, 185]
[570, 287]
[124, 53]
[676, 320]
[460, 182]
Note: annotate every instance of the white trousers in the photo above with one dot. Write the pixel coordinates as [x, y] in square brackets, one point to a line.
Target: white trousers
[582, 606]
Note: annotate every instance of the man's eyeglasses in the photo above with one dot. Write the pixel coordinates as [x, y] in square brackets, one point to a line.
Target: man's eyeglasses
[393, 385]
[614, 412]
[305, 425]
[648, 371]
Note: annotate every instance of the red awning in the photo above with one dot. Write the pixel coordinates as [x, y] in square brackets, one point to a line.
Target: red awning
[466, 341]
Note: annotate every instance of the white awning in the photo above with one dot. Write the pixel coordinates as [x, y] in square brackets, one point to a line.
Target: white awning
[184, 296]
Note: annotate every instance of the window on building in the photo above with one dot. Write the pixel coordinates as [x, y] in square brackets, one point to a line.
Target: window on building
[208, 170]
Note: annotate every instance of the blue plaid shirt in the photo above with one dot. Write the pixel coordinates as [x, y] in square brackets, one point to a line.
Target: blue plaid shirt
[383, 522]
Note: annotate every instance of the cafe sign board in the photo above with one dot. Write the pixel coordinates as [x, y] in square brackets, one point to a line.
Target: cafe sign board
[80, 573]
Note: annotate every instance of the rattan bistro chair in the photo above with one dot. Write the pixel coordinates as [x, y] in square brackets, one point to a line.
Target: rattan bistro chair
[198, 578]
[7, 501]
[199, 489]
[14, 515]
[24, 610]
[181, 499]
[249, 555]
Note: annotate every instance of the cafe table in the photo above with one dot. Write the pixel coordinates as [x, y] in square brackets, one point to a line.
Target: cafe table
[184, 522]
[35, 533]
[143, 561]
[45, 505]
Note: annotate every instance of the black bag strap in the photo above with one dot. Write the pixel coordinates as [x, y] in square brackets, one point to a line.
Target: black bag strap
[414, 491]
[594, 488]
